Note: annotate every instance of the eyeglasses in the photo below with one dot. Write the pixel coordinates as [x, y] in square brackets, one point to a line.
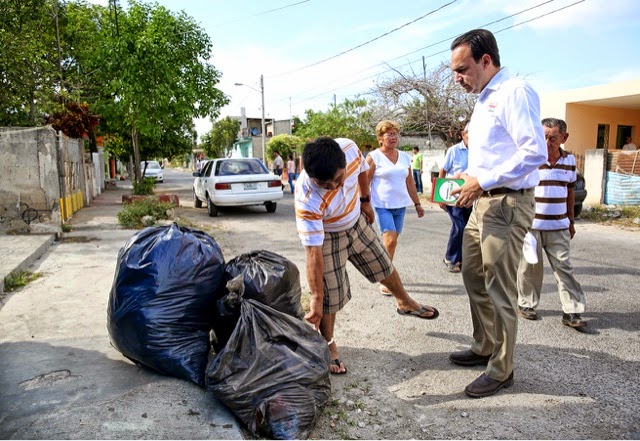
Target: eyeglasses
[390, 135]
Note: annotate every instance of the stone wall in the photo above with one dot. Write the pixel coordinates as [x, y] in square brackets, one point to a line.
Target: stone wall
[42, 175]
[29, 173]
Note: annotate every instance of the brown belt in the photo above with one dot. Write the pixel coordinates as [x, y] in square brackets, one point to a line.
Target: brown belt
[505, 190]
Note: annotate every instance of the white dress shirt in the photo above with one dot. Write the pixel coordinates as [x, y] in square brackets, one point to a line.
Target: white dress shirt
[506, 135]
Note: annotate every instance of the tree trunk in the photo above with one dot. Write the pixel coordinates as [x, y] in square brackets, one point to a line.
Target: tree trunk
[136, 154]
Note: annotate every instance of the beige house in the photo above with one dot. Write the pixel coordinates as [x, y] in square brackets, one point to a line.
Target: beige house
[599, 119]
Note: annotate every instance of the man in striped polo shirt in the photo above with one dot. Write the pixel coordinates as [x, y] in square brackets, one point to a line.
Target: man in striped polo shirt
[333, 218]
[553, 229]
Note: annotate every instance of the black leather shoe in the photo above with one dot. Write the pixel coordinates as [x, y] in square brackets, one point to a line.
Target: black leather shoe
[527, 313]
[573, 320]
[468, 358]
[484, 386]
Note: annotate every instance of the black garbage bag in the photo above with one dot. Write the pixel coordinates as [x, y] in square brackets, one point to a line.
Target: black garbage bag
[269, 278]
[163, 299]
[273, 373]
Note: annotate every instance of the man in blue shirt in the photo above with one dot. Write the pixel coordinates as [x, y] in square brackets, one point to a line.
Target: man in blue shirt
[455, 162]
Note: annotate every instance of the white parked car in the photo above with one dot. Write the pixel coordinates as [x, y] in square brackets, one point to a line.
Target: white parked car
[228, 182]
[154, 170]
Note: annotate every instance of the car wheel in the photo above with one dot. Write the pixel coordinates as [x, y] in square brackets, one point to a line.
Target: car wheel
[196, 202]
[577, 209]
[212, 208]
[271, 206]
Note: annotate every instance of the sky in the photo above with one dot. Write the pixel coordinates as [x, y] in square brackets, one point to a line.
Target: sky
[313, 53]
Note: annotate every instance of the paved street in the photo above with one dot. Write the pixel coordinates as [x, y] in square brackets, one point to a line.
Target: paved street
[61, 379]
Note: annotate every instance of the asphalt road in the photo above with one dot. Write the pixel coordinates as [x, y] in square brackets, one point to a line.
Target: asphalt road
[568, 384]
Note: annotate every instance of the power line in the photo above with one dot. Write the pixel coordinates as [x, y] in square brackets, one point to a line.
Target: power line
[446, 50]
[258, 14]
[370, 41]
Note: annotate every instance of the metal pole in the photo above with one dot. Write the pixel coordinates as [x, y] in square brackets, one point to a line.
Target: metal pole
[264, 135]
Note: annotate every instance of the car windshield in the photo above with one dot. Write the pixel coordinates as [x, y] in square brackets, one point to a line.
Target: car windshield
[232, 167]
[151, 165]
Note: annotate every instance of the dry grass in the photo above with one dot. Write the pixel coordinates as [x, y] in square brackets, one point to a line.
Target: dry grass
[626, 215]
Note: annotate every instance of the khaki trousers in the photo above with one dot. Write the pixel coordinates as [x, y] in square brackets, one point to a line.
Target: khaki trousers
[556, 245]
[491, 251]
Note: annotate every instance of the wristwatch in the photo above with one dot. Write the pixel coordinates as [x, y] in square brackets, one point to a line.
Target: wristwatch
[365, 199]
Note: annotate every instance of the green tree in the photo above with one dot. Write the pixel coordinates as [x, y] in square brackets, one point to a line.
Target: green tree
[218, 142]
[45, 45]
[156, 75]
[285, 144]
[351, 119]
[27, 60]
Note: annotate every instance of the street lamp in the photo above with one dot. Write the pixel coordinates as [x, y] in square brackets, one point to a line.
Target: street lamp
[261, 92]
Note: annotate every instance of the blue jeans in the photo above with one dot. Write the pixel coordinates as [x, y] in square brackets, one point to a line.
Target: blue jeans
[292, 176]
[459, 217]
[417, 177]
[390, 219]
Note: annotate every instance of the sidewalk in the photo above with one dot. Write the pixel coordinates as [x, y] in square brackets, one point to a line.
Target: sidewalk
[59, 376]
[18, 252]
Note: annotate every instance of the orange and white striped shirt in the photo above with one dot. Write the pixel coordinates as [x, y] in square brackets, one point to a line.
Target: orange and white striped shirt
[319, 210]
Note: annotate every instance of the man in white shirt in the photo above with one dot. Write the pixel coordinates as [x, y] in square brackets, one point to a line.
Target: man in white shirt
[333, 217]
[629, 144]
[553, 230]
[278, 163]
[508, 147]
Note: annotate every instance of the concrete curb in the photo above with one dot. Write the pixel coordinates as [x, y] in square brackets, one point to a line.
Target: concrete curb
[28, 259]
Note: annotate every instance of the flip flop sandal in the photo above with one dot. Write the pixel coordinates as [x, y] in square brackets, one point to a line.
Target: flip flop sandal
[385, 291]
[336, 362]
[418, 313]
[340, 365]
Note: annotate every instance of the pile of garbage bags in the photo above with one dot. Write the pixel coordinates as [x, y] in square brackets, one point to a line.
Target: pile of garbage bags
[172, 290]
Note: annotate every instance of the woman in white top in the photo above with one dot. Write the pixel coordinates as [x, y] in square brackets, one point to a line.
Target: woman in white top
[392, 186]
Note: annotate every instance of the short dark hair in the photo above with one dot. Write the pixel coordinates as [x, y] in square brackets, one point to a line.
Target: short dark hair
[416, 148]
[481, 42]
[555, 122]
[322, 158]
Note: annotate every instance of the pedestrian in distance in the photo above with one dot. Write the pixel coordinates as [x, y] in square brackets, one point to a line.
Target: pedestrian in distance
[455, 162]
[291, 169]
[416, 169]
[278, 163]
[553, 228]
[508, 147]
[333, 218]
[392, 187]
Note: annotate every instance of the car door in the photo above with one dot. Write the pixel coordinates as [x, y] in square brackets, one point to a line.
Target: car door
[201, 181]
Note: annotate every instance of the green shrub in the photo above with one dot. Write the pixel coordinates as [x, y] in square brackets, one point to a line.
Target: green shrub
[144, 187]
[131, 215]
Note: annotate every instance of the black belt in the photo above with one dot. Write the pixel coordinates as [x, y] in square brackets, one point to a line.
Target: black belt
[505, 190]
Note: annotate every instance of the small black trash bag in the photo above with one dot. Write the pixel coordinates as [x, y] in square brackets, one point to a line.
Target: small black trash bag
[163, 298]
[269, 278]
[273, 373]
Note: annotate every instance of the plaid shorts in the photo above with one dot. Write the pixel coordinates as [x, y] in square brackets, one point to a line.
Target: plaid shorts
[361, 246]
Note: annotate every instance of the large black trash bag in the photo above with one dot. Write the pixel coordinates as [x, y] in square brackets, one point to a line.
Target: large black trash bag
[163, 298]
[269, 278]
[273, 373]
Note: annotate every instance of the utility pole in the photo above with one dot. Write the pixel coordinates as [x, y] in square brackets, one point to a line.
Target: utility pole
[264, 134]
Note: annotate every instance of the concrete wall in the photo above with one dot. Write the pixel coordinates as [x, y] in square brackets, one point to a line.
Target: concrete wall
[42, 171]
[594, 175]
[29, 173]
